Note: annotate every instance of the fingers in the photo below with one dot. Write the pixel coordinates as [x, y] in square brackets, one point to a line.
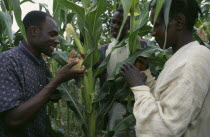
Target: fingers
[73, 63]
[79, 56]
[72, 54]
[124, 69]
[131, 65]
[79, 71]
[82, 54]
[122, 73]
[127, 66]
[83, 67]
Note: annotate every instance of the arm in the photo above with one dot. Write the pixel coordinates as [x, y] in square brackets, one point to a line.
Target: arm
[150, 82]
[24, 112]
[143, 65]
[176, 102]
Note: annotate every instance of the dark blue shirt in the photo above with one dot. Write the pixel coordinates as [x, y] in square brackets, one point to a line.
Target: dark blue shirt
[21, 77]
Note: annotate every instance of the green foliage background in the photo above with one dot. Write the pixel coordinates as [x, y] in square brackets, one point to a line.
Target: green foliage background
[84, 106]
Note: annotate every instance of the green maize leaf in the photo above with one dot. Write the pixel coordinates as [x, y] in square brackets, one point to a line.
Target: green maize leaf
[105, 106]
[71, 105]
[134, 41]
[103, 64]
[102, 111]
[1, 29]
[85, 3]
[55, 8]
[92, 8]
[7, 23]
[132, 16]
[17, 11]
[88, 90]
[121, 88]
[75, 8]
[70, 17]
[93, 26]
[135, 5]
[61, 57]
[121, 124]
[64, 15]
[100, 93]
[93, 19]
[144, 30]
[93, 30]
[56, 11]
[167, 7]
[43, 5]
[143, 18]
[126, 6]
[17, 37]
[97, 88]
[92, 58]
[146, 52]
[26, 1]
[158, 7]
[3, 6]
[101, 7]
[65, 93]
[7, 4]
[63, 41]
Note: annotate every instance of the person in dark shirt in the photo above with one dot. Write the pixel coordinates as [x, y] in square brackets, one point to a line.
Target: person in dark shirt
[24, 88]
[117, 56]
[116, 22]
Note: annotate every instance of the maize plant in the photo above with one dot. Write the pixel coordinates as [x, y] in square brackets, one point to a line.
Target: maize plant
[96, 102]
[82, 22]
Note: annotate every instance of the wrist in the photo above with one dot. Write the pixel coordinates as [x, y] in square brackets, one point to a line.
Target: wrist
[140, 83]
[54, 83]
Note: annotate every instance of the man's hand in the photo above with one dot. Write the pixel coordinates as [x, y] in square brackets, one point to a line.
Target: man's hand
[72, 56]
[67, 72]
[133, 76]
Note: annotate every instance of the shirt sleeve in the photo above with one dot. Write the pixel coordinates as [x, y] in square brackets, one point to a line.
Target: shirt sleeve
[150, 82]
[180, 100]
[11, 94]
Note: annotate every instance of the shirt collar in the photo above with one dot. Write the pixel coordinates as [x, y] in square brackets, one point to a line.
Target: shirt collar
[29, 54]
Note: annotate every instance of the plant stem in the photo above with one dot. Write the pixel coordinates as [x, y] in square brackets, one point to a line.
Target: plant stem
[92, 123]
[58, 114]
[68, 120]
[132, 17]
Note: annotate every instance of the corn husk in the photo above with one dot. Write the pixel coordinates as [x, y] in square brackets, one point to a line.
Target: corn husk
[70, 31]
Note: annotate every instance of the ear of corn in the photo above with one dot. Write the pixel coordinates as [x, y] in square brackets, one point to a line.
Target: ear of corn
[204, 32]
[79, 64]
[70, 30]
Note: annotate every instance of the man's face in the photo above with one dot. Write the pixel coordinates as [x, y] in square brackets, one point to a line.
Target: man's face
[116, 23]
[47, 38]
[159, 31]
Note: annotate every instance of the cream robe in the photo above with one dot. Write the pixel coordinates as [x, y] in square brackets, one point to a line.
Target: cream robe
[178, 103]
[118, 55]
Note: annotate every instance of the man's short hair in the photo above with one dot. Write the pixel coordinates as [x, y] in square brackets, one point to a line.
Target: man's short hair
[35, 18]
[189, 8]
[121, 10]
